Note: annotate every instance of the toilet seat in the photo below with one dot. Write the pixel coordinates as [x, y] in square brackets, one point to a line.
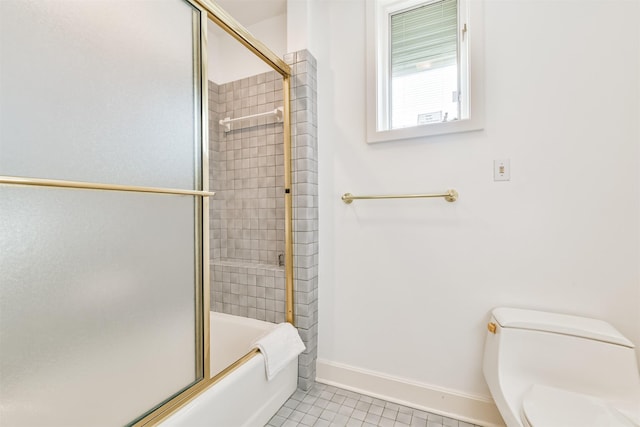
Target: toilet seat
[544, 406]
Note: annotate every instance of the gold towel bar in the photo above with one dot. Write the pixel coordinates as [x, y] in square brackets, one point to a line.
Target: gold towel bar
[449, 196]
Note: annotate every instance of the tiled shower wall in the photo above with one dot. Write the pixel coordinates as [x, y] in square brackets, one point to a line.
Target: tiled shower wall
[255, 291]
[247, 212]
[246, 171]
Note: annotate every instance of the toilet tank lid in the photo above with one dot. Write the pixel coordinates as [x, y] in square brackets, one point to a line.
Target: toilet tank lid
[560, 324]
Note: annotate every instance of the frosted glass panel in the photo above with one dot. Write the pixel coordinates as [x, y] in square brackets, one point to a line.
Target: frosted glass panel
[99, 91]
[97, 320]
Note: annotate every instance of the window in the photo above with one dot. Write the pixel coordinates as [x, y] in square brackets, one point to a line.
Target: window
[423, 56]
[424, 73]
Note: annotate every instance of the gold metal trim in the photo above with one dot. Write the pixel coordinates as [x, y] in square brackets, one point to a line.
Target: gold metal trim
[206, 269]
[492, 327]
[288, 202]
[238, 32]
[235, 365]
[40, 182]
[449, 196]
[198, 142]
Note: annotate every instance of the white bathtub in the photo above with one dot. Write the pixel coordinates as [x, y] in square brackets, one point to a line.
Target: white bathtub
[244, 397]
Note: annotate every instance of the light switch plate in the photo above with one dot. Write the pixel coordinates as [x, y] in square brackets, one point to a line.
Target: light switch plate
[501, 170]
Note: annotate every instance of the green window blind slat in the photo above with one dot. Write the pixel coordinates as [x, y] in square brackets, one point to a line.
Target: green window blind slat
[424, 37]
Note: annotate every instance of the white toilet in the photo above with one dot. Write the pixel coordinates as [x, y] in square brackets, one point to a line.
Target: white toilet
[556, 370]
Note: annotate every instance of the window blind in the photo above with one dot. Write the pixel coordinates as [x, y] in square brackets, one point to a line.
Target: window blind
[424, 37]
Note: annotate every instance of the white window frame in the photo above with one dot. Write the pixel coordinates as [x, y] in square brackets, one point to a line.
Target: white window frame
[471, 58]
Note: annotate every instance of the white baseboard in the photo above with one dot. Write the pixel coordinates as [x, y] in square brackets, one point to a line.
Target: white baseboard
[449, 403]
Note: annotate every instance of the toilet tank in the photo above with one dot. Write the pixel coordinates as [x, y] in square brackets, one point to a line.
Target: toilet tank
[569, 352]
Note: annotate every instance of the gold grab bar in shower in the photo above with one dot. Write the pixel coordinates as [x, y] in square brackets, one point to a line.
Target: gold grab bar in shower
[449, 196]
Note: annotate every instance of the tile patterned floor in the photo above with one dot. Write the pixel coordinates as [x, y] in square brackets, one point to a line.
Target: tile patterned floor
[325, 405]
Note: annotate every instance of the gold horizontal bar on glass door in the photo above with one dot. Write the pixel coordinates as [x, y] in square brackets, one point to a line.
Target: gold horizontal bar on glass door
[237, 31]
[40, 182]
[449, 196]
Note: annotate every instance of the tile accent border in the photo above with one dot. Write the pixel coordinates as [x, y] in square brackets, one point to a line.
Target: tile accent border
[472, 409]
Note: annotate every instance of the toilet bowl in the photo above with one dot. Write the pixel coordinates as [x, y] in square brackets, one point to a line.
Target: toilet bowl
[555, 370]
[553, 407]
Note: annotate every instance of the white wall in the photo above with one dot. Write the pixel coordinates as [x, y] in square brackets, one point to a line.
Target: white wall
[406, 286]
[228, 60]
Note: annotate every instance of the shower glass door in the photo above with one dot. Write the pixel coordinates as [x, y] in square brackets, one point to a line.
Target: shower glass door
[101, 209]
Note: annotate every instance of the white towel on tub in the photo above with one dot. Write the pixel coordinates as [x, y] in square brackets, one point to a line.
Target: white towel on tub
[279, 347]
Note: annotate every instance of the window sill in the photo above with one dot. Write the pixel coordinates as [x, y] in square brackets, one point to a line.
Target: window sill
[457, 126]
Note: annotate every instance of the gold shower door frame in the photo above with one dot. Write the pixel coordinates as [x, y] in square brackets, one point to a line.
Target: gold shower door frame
[209, 9]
